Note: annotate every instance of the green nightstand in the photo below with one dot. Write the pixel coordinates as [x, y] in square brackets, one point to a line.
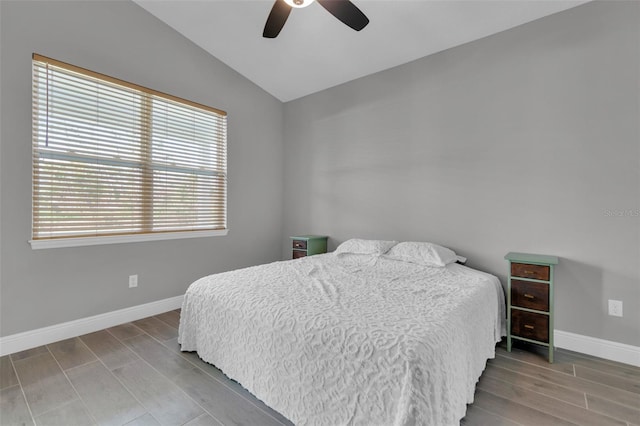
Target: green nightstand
[307, 245]
[530, 299]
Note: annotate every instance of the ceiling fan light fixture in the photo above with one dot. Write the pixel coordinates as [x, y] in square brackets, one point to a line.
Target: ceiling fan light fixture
[343, 10]
[299, 3]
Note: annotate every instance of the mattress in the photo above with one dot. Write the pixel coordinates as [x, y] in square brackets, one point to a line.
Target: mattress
[349, 339]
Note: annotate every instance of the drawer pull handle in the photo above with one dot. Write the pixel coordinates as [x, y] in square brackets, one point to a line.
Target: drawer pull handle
[530, 327]
[529, 272]
[529, 296]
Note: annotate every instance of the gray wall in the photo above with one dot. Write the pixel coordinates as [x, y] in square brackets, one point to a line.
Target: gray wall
[523, 141]
[45, 287]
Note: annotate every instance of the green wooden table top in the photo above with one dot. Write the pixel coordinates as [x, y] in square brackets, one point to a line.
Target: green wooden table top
[531, 258]
[309, 237]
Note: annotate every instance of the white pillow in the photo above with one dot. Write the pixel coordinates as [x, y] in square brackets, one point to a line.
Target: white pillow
[428, 254]
[358, 246]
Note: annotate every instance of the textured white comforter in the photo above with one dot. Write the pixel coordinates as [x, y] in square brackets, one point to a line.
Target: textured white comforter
[351, 339]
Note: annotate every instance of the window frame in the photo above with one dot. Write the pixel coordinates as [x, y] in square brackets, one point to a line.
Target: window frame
[145, 234]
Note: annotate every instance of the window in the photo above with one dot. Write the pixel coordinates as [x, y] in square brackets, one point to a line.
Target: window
[112, 160]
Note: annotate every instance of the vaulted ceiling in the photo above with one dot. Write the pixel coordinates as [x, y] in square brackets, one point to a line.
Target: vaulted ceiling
[315, 51]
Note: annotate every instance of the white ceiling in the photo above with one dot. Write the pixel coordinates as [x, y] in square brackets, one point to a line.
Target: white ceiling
[315, 51]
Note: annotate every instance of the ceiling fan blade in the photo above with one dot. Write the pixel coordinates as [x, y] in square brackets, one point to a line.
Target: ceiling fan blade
[278, 16]
[347, 12]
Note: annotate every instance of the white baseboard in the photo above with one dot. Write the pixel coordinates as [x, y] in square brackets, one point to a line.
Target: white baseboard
[606, 349]
[66, 330]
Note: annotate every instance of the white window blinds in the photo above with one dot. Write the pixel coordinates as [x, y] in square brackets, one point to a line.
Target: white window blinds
[113, 158]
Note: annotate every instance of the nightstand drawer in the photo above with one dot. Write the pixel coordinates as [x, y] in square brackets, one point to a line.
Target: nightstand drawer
[528, 294]
[530, 325]
[524, 270]
[300, 244]
[296, 254]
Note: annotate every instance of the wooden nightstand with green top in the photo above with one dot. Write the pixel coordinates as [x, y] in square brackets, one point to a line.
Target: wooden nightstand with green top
[530, 299]
[308, 245]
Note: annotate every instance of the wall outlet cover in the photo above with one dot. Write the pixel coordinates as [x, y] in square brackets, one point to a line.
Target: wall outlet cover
[133, 281]
[615, 308]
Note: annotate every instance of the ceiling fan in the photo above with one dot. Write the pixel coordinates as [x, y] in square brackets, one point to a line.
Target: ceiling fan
[344, 10]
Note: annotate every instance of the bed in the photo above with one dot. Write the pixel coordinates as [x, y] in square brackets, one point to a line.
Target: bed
[350, 337]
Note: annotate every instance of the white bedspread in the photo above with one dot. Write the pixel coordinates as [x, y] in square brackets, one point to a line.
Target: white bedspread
[351, 339]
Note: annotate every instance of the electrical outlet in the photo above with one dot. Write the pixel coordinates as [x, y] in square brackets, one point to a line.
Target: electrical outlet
[615, 308]
[133, 281]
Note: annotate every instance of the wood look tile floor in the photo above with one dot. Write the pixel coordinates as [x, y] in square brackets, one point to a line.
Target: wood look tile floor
[135, 374]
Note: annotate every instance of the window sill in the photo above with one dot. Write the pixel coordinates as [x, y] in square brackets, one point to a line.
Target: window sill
[118, 239]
